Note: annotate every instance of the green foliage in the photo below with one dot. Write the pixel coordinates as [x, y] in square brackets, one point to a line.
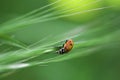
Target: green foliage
[88, 38]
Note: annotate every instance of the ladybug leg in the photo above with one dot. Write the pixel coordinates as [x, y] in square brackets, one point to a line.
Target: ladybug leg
[63, 45]
[59, 47]
[66, 41]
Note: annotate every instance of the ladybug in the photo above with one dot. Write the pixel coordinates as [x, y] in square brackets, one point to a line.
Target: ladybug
[66, 47]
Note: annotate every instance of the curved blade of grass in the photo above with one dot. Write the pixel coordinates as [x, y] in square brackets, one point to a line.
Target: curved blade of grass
[29, 14]
[9, 40]
[14, 26]
[89, 46]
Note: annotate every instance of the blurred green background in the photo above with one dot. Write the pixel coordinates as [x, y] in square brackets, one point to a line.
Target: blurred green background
[101, 64]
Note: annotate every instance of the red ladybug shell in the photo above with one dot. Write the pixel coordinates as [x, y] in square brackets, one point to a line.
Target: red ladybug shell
[68, 45]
